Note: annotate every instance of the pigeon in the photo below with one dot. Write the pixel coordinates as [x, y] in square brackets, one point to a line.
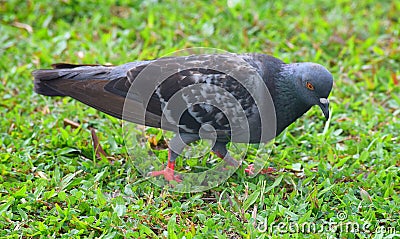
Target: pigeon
[224, 97]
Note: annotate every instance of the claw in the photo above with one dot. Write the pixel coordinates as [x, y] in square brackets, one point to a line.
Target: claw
[250, 170]
[168, 174]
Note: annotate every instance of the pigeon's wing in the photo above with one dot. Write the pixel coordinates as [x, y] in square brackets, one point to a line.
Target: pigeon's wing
[176, 93]
[187, 93]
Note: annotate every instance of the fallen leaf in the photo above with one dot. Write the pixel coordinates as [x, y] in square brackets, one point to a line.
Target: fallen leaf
[73, 124]
[96, 145]
[23, 26]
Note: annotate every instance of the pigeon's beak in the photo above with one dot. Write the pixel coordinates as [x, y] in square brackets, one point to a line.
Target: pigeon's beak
[324, 105]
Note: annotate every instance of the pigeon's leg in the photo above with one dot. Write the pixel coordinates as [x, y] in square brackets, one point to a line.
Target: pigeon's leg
[220, 150]
[175, 148]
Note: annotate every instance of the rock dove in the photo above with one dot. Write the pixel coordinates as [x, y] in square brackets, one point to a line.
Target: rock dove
[215, 92]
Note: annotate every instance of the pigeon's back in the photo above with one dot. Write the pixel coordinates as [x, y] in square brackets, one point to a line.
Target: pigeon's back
[221, 91]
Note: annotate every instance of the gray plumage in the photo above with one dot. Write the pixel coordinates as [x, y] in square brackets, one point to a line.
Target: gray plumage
[294, 89]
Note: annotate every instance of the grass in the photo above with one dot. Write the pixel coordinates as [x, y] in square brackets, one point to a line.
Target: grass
[337, 177]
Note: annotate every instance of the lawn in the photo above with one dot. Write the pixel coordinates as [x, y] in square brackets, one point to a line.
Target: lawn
[335, 179]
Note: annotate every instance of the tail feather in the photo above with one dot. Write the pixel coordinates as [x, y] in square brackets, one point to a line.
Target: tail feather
[69, 65]
[45, 79]
[104, 88]
[41, 85]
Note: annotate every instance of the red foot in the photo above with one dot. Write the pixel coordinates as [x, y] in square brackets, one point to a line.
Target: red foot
[250, 170]
[167, 173]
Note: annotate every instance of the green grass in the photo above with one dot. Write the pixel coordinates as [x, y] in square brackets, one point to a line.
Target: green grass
[342, 174]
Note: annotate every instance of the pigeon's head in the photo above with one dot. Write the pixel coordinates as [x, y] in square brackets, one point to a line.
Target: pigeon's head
[314, 83]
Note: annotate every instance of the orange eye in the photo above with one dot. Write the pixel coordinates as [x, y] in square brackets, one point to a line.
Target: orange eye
[309, 86]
